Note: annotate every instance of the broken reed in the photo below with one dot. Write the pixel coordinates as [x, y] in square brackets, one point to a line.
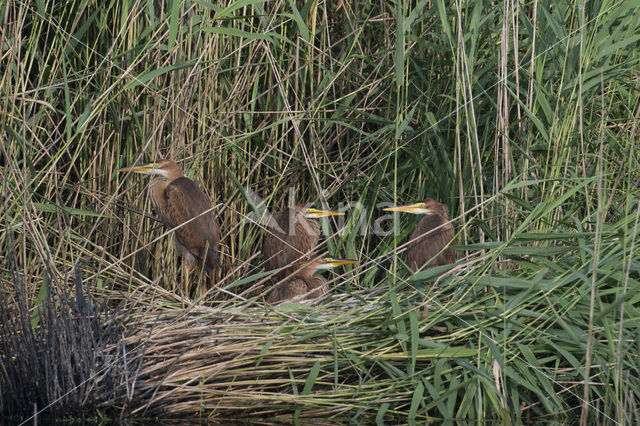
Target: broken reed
[57, 359]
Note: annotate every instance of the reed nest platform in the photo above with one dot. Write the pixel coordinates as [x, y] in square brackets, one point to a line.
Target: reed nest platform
[167, 358]
[311, 361]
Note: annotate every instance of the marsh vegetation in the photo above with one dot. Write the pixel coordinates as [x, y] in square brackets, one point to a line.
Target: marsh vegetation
[521, 117]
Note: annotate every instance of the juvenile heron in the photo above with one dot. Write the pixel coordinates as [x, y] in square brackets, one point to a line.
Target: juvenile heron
[291, 238]
[428, 247]
[304, 284]
[182, 205]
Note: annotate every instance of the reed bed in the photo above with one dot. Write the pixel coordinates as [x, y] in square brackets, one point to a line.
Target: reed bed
[521, 117]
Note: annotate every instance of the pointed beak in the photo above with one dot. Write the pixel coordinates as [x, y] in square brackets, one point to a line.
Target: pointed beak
[339, 262]
[405, 208]
[322, 213]
[145, 168]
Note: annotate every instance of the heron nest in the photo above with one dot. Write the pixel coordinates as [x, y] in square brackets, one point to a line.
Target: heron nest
[166, 357]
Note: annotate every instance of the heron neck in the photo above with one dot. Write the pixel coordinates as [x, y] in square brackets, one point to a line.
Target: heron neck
[315, 268]
[157, 187]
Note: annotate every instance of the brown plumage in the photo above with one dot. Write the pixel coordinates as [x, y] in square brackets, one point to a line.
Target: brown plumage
[291, 237]
[304, 284]
[177, 199]
[296, 287]
[427, 242]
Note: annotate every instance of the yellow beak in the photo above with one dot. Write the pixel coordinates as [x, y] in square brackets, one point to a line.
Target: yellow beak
[405, 208]
[140, 169]
[322, 213]
[338, 262]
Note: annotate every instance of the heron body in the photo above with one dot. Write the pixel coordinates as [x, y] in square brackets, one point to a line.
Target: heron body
[183, 206]
[294, 287]
[291, 238]
[304, 284]
[430, 239]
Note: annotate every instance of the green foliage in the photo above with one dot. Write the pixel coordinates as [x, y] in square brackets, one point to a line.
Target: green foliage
[521, 117]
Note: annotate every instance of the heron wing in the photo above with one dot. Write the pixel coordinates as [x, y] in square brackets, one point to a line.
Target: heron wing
[184, 200]
[282, 248]
[318, 284]
[287, 290]
[423, 250]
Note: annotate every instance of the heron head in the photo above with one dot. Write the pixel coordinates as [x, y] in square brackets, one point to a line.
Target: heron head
[163, 168]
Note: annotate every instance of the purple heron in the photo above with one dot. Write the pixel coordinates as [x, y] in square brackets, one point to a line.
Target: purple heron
[182, 205]
[304, 284]
[429, 245]
[291, 239]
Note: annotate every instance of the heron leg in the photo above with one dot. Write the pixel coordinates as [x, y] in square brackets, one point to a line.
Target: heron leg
[201, 288]
[186, 268]
[213, 278]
